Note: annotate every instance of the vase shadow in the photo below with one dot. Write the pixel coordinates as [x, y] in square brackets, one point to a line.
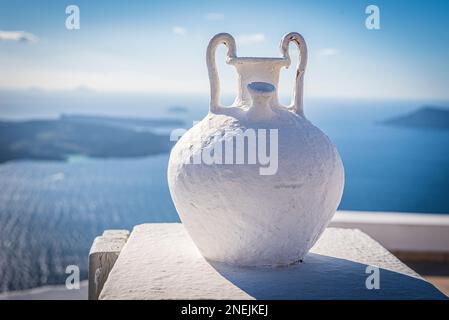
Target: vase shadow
[324, 277]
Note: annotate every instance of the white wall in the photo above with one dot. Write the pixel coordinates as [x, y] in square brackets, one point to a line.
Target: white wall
[400, 231]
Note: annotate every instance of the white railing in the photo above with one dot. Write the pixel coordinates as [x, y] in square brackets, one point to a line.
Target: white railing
[402, 232]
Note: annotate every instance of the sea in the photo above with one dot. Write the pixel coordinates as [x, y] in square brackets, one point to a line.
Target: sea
[51, 211]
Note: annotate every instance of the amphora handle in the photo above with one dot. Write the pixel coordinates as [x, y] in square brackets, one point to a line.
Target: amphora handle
[228, 41]
[297, 100]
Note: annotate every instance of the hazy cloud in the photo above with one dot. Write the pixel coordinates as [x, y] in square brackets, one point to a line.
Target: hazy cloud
[20, 36]
[326, 52]
[179, 30]
[245, 39]
[214, 16]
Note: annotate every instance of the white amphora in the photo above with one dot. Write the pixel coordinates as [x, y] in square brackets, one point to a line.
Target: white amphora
[255, 183]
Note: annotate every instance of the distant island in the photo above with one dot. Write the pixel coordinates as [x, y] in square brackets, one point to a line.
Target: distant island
[91, 136]
[135, 123]
[424, 117]
[177, 109]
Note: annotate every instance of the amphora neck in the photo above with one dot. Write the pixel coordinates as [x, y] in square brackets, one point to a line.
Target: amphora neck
[257, 70]
[252, 70]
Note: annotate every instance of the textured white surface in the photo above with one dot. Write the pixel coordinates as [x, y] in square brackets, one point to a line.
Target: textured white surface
[238, 216]
[160, 261]
[232, 212]
[102, 256]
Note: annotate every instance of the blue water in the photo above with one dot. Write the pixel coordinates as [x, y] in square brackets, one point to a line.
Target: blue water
[50, 212]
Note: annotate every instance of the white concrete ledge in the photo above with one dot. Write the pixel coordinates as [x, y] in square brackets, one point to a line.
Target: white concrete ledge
[160, 261]
[102, 257]
[400, 232]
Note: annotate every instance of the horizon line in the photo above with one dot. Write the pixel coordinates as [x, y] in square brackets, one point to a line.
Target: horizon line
[86, 89]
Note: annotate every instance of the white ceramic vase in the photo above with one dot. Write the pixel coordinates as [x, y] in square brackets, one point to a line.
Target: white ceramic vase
[253, 213]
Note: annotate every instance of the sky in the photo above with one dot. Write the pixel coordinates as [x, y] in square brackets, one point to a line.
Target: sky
[160, 46]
